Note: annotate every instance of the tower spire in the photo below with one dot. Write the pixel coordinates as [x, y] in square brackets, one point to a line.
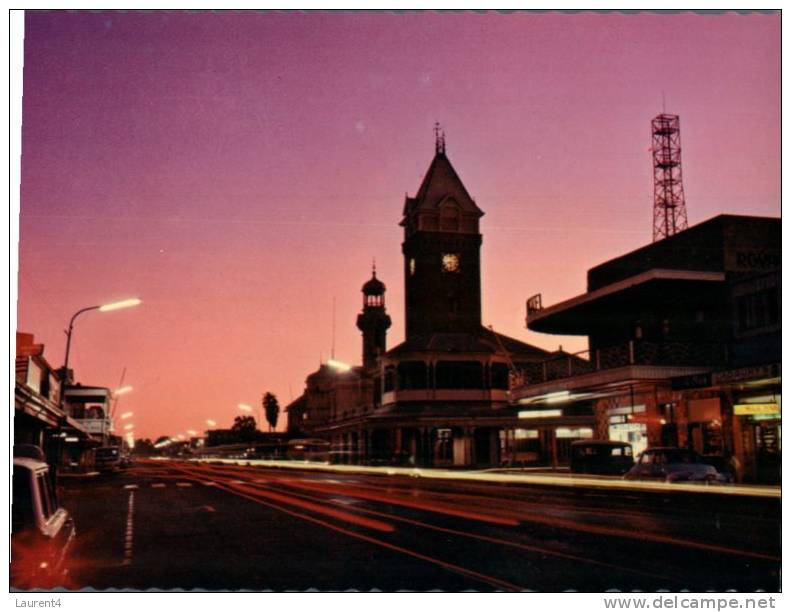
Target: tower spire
[439, 137]
[373, 268]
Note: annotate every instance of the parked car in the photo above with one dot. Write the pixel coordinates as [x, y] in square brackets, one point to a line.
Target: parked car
[606, 457]
[725, 467]
[672, 464]
[42, 531]
[107, 459]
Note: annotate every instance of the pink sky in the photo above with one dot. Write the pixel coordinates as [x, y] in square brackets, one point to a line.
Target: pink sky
[238, 171]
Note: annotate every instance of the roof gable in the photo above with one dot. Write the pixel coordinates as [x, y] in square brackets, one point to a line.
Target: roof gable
[441, 184]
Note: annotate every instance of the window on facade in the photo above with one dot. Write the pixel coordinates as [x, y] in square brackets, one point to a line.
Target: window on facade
[459, 375]
[77, 411]
[34, 376]
[757, 310]
[389, 379]
[449, 217]
[94, 412]
[412, 375]
[444, 445]
[499, 376]
[377, 391]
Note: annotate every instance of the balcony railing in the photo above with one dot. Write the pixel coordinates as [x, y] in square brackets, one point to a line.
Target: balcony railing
[679, 354]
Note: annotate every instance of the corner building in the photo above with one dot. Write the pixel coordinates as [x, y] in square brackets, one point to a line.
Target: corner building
[684, 348]
[440, 398]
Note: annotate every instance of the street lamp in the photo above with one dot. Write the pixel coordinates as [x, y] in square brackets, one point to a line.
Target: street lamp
[245, 408]
[101, 308]
[116, 395]
[339, 365]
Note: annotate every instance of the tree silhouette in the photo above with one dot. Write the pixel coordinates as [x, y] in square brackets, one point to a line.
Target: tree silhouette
[244, 428]
[271, 409]
[143, 446]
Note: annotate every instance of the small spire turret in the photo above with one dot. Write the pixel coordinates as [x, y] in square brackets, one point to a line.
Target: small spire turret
[439, 138]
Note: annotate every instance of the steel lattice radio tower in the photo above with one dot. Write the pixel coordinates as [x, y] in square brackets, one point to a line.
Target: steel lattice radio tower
[670, 212]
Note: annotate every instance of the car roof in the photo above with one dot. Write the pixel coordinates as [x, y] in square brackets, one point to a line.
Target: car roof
[31, 464]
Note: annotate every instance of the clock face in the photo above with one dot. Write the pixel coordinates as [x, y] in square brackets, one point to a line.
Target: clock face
[412, 267]
[450, 262]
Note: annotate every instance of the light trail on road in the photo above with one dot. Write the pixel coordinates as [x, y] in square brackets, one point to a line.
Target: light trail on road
[565, 481]
[323, 491]
[413, 533]
[254, 496]
[512, 518]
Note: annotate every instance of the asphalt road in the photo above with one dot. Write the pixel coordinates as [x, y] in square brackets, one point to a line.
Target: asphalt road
[178, 525]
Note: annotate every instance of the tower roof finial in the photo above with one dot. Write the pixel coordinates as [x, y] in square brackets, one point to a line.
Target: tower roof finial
[439, 136]
[373, 267]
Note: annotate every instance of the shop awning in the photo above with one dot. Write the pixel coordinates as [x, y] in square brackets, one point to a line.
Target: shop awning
[584, 313]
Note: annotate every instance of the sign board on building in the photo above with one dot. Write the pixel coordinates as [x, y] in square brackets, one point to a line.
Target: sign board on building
[540, 414]
[749, 373]
[752, 409]
[752, 260]
[694, 381]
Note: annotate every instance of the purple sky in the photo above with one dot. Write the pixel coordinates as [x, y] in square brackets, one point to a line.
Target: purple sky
[238, 170]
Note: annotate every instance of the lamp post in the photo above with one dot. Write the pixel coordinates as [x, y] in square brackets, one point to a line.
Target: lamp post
[65, 374]
[101, 308]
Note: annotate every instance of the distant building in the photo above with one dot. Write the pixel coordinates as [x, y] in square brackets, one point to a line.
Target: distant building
[440, 397]
[684, 349]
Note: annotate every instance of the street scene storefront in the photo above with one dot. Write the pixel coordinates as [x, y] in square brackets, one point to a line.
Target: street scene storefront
[684, 348]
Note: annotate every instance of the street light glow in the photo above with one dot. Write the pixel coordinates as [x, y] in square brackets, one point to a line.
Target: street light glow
[192, 432]
[122, 390]
[210, 423]
[118, 305]
[339, 365]
[126, 415]
[128, 426]
[245, 408]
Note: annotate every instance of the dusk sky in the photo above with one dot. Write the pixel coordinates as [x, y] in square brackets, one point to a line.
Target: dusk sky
[238, 171]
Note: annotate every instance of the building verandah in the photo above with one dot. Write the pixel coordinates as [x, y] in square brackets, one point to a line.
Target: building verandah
[458, 442]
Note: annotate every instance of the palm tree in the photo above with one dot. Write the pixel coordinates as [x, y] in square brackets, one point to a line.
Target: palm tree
[271, 409]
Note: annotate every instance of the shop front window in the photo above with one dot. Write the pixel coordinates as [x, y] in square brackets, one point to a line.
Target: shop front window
[624, 428]
[443, 449]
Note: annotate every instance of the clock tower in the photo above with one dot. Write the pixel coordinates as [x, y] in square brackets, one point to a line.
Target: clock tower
[441, 247]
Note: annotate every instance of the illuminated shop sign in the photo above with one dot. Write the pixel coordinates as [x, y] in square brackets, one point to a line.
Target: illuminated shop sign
[750, 409]
[539, 414]
[574, 432]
